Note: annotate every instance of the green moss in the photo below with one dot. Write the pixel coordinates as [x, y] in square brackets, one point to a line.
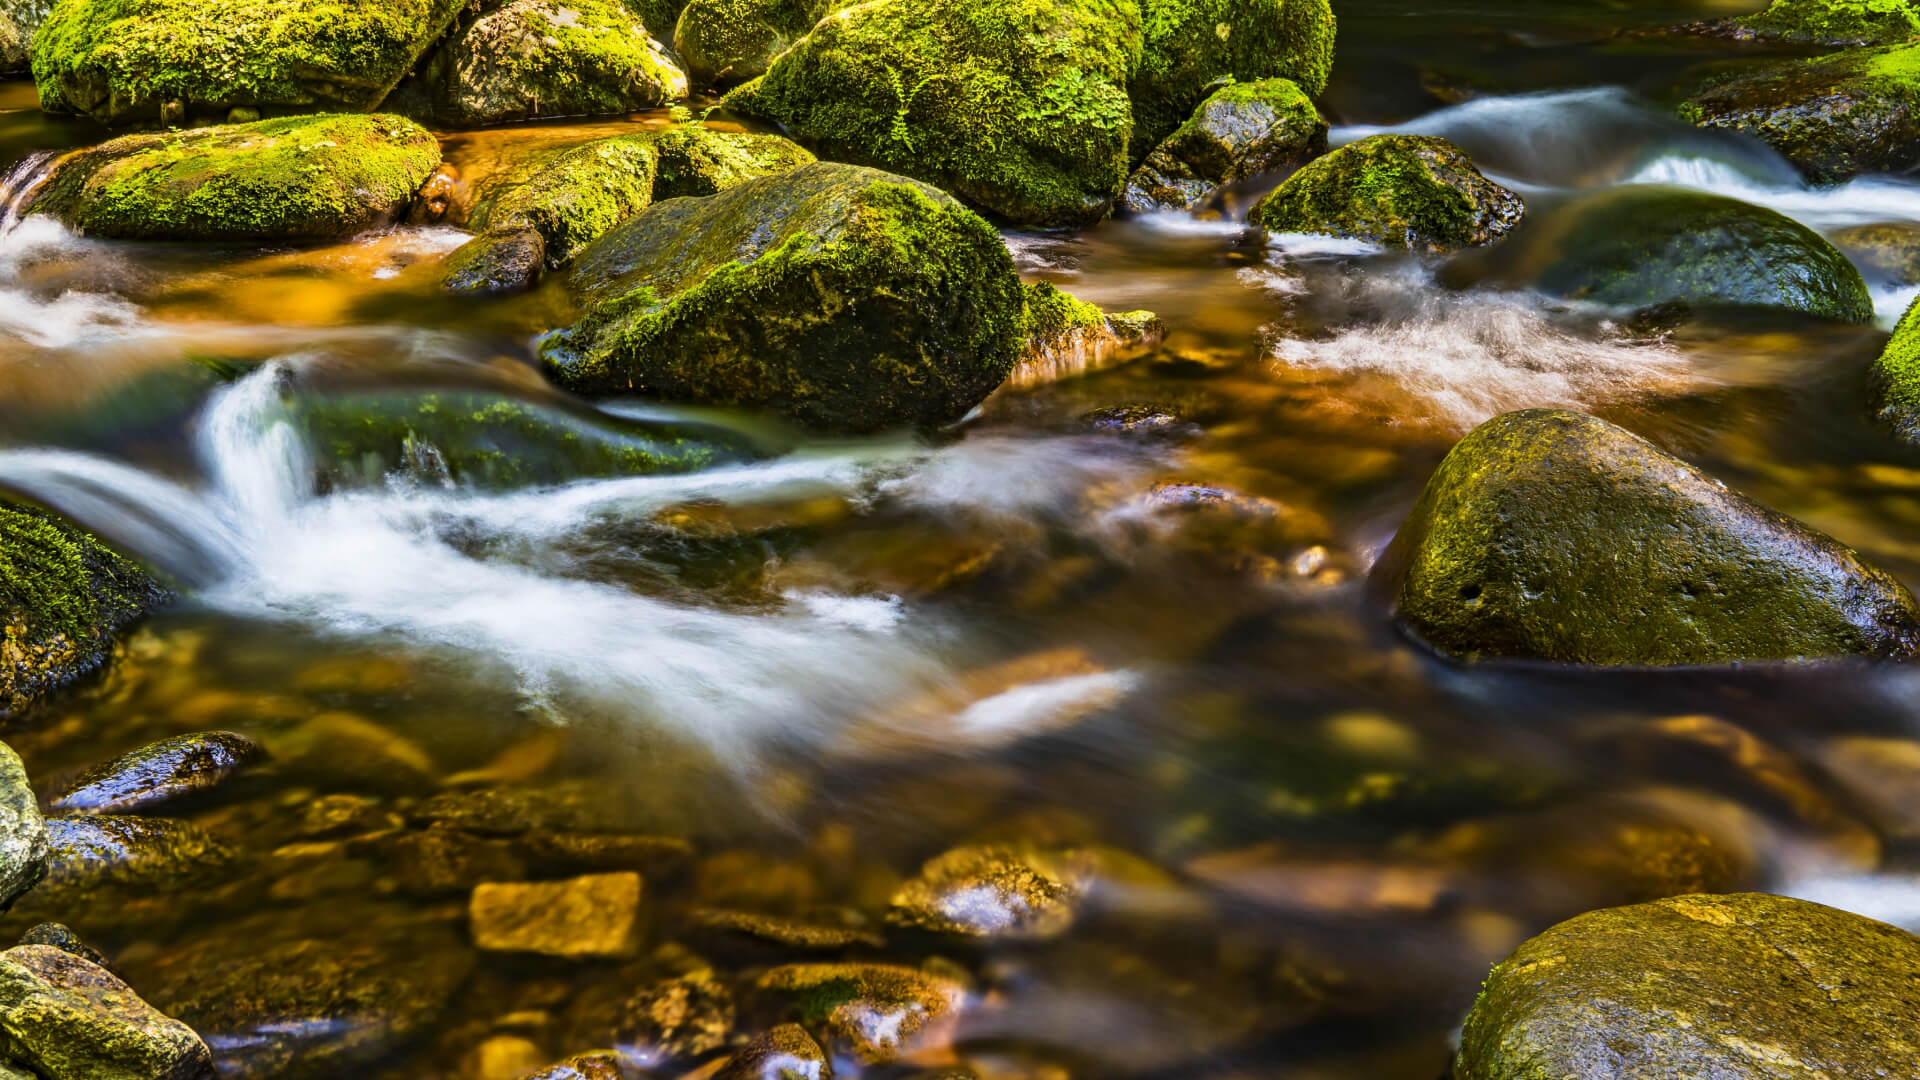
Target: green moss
[574, 197]
[1414, 191]
[697, 160]
[1243, 131]
[1836, 22]
[1052, 314]
[844, 297]
[303, 178]
[1896, 377]
[1555, 536]
[533, 58]
[844, 999]
[123, 59]
[725, 42]
[1192, 45]
[62, 596]
[1019, 107]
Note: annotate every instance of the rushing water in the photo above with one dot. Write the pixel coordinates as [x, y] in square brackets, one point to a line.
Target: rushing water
[829, 664]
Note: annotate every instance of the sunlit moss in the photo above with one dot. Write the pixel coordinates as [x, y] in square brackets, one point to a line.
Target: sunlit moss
[1406, 190]
[1191, 45]
[1836, 22]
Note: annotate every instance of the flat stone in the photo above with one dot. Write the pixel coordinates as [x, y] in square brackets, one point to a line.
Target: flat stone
[595, 916]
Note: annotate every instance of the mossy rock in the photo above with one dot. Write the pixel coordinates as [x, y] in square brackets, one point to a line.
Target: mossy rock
[785, 1052]
[1415, 191]
[119, 60]
[698, 160]
[491, 441]
[1835, 117]
[499, 262]
[1552, 535]
[1896, 377]
[1833, 22]
[1191, 46]
[992, 893]
[26, 17]
[574, 197]
[1019, 106]
[533, 58]
[1891, 249]
[1243, 131]
[1646, 246]
[149, 853]
[1746, 985]
[308, 178]
[843, 999]
[1065, 331]
[727, 42]
[846, 298]
[69, 1018]
[63, 595]
[23, 832]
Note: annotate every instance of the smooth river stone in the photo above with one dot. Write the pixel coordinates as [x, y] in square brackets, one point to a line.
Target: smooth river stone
[159, 772]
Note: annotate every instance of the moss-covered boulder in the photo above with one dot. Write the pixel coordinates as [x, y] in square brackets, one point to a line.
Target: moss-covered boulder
[726, 42]
[120, 60]
[1192, 45]
[499, 262]
[1243, 131]
[845, 298]
[1416, 191]
[70, 1019]
[531, 58]
[698, 160]
[63, 595]
[305, 178]
[1834, 117]
[1019, 107]
[1896, 377]
[1745, 985]
[1647, 246]
[1067, 336]
[1552, 535]
[1829, 22]
[491, 441]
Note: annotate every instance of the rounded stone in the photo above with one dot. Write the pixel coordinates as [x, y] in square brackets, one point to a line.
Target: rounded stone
[1413, 191]
[159, 772]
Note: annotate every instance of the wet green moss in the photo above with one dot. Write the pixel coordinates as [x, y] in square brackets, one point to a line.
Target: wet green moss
[1191, 45]
[1052, 314]
[296, 179]
[1896, 377]
[1241, 132]
[1416, 191]
[574, 197]
[1019, 107]
[697, 160]
[1835, 22]
[846, 298]
[534, 58]
[123, 59]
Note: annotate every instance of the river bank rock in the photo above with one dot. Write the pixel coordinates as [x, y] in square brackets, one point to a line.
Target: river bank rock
[532, 58]
[1415, 191]
[63, 595]
[845, 298]
[125, 60]
[1552, 535]
[698, 160]
[1191, 46]
[1646, 246]
[1243, 131]
[1741, 985]
[70, 1019]
[727, 42]
[1019, 107]
[309, 178]
[1834, 117]
[159, 772]
[23, 833]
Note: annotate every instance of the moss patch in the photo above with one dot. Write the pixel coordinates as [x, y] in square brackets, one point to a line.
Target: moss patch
[1416, 191]
[574, 197]
[302, 178]
[1191, 45]
[1896, 377]
[1835, 22]
[725, 42]
[697, 160]
[1241, 132]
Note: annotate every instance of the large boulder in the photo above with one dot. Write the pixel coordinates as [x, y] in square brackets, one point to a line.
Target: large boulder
[63, 595]
[1191, 46]
[844, 297]
[1241, 132]
[1416, 191]
[1834, 117]
[1647, 246]
[119, 60]
[307, 178]
[724, 42]
[70, 1019]
[1018, 107]
[1896, 377]
[1742, 986]
[1552, 535]
[531, 58]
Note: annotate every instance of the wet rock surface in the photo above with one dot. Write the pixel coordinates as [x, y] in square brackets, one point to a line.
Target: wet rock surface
[785, 1053]
[878, 1012]
[585, 917]
[675, 1021]
[160, 772]
[149, 853]
[1242, 132]
[532, 58]
[70, 1019]
[991, 892]
[1415, 191]
[23, 832]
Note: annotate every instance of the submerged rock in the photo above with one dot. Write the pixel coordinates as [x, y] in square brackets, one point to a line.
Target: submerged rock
[307, 178]
[1891, 249]
[158, 772]
[145, 853]
[785, 1053]
[598, 1066]
[64, 939]
[499, 262]
[1555, 536]
[1647, 246]
[698, 160]
[1018, 107]
[1834, 117]
[63, 595]
[990, 892]
[593, 916]
[825, 929]
[1243, 131]
[1737, 986]
[724, 42]
[533, 58]
[675, 1021]
[23, 833]
[70, 1019]
[845, 298]
[1416, 191]
[1191, 46]
[879, 1012]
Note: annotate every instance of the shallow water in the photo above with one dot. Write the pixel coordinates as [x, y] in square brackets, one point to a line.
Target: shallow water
[827, 665]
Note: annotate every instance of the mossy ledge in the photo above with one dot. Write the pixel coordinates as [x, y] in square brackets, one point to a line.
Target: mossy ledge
[309, 178]
[63, 595]
[846, 298]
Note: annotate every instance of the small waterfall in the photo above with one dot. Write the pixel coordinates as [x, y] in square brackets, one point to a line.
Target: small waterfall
[21, 184]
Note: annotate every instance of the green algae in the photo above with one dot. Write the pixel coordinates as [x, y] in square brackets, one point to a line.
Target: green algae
[294, 179]
[1192, 45]
[1416, 191]
[1896, 377]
